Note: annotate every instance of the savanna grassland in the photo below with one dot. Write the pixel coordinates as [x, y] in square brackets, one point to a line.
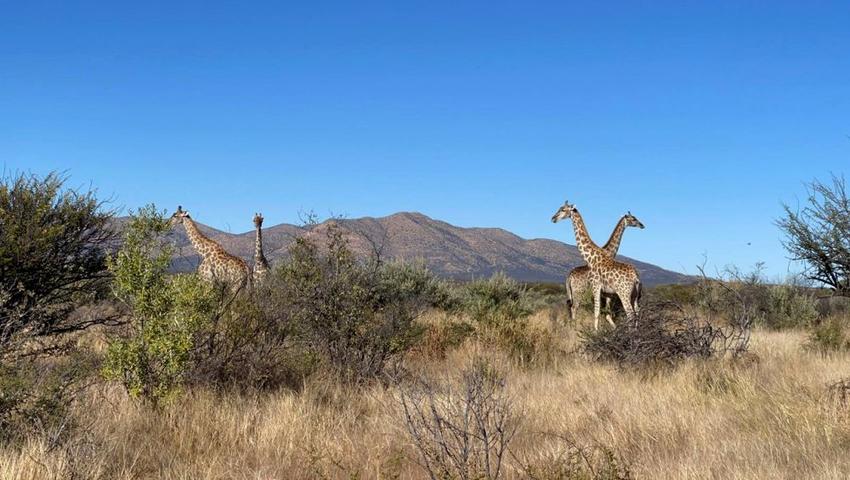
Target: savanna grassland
[767, 417]
[338, 366]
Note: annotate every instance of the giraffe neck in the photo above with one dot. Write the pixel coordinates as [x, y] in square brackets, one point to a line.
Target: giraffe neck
[613, 244]
[589, 250]
[203, 245]
[259, 257]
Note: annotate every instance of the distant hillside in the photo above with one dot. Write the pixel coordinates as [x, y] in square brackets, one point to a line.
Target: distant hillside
[449, 251]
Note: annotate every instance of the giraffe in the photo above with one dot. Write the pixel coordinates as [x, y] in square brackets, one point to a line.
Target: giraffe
[217, 265]
[606, 274]
[578, 281]
[261, 265]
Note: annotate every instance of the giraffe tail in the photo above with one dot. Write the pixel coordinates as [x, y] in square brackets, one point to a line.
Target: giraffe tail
[637, 292]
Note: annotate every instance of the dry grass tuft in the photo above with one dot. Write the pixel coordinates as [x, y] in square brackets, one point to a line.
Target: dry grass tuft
[838, 396]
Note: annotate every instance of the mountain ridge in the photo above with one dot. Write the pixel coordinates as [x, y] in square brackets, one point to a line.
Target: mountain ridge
[449, 251]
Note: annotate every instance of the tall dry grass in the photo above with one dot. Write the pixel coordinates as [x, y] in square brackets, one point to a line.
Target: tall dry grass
[708, 419]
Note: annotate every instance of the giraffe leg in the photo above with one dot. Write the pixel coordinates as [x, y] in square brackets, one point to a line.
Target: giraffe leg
[636, 295]
[636, 311]
[625, 295]
[608, 312]
[597, 300]
[570, 302]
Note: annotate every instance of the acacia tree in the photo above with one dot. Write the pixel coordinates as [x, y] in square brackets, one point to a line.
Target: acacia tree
[53, 246]
[818, 234]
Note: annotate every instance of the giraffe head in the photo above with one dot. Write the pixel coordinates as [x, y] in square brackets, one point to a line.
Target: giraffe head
[566, 211]
[179, 215]
[258, 220]
[632, 221]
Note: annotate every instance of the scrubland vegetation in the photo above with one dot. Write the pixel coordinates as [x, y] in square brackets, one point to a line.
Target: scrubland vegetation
[341, 367]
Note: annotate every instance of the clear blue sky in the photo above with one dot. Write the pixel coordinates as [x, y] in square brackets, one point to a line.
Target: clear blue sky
[699, 118]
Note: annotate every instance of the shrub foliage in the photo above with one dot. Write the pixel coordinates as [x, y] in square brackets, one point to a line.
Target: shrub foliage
[165, 312]
[831, 334]
[358, 316]
[53, 248]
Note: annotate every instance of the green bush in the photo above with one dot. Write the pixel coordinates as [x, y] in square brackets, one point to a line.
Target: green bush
[787, 306]
[404, 284]
[498, 308]
[53, 243]
[831, 305]
[356, 316]
[53, 247]
[250, 344]
[321, 306]
[748, 295]
[675, 293]
[166, 313]
[496, 301]
[831, 334]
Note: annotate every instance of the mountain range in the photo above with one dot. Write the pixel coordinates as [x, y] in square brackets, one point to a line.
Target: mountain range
[449, 251]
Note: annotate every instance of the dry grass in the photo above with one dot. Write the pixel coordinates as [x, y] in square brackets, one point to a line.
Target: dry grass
[757, 419]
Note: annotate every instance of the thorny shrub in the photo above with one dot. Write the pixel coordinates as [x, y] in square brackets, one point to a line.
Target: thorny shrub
[460, 431]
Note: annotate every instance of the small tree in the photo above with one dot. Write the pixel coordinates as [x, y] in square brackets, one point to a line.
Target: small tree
[166, 312]
[53, 247]
[819, 234]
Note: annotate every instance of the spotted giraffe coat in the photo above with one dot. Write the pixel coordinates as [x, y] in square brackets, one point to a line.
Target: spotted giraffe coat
[578, 280]
[217, 265]
[261, 265]
[606, 274]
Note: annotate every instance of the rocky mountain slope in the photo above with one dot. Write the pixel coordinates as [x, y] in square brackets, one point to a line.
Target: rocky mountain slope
[448, 250]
